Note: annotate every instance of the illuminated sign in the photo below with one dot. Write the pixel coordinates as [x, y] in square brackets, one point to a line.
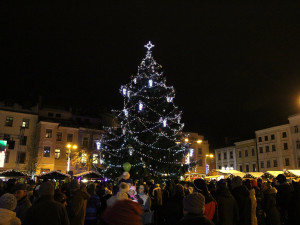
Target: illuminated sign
[2, 152]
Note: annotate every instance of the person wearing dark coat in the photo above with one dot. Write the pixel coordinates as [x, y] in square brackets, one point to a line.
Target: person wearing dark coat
[193, 206]
[283, 198]
[269, 204]
[228, 210]
[46, 210]
[295, 204]
[24, 204]
[242, 197]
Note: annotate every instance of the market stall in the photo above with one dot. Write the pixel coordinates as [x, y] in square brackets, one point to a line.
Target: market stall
[89, 175]
[53, 175]
[253, 175]
[271, 174]
[12, 174]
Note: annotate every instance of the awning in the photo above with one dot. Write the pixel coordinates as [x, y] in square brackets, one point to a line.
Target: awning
[273, 173]
[54, 174]
[253, 175]
[89, 175]
[235, 173]
[12, 173]
[296, 173]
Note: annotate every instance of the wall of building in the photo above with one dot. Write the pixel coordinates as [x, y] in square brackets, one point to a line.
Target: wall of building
[246, 156]
[294, 122]
[225, 157]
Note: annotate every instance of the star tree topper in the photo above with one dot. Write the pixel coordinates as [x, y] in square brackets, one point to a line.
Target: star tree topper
[149, 46]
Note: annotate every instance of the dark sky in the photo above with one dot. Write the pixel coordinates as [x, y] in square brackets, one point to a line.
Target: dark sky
[235, 66]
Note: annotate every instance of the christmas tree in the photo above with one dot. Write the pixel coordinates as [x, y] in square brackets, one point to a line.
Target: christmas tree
[150, 134]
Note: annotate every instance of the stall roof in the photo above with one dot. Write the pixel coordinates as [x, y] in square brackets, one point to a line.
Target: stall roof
[54, 174]
[295, 172]
[274, 173]
[89, 174]
[254, 174]
[13, 173]
[233, 172]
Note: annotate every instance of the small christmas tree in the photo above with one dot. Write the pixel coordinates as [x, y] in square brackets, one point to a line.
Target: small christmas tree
[150, 134]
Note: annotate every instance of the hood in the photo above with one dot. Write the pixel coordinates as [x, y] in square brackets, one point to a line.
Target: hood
[6, 215]
[242, 190]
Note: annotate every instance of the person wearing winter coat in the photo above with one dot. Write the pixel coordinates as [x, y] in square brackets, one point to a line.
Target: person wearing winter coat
[93, 206]
[228, 210]
[8, 203]
[253, 202]
[269, 205]
[193, 206]
[145, 202]
[242, 197]
[77, 205]
[46, 210]
[295, 204]
[23, 205]
[121, 194]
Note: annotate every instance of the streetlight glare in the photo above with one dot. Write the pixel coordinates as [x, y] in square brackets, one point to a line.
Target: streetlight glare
[74, 146]
[68, 146]
[186, 140]
[199, 141]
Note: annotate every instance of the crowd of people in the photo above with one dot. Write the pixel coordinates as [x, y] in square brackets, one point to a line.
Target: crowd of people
[226, 202]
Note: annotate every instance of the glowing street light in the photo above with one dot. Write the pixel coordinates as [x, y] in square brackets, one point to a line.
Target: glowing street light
[69, 146]
[186, 140]
[206, 168]
[199, 141]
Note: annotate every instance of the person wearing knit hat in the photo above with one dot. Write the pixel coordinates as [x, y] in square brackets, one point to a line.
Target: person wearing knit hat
[193, 210]
[23, 205]
[121, 194]
[8, 203]
[123, 212]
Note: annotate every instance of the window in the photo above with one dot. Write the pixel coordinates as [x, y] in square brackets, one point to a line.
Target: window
[25, 123]
[259, 139]
[273, 148]
[46, 152]
[11, 144]
[69, 137]
[268, 163]
[6, 159]
[298, 144]
[287, 161]
[200, 162]
[253, 152]
[267, 148]
[57, 153]
[83, 158]
[200, 151]
[285, 146]
[9, 121]
[266, 138]
[247, 168]
[225, 155]
[220, 167]
[275, 163]
[21, 157]
[231, 155]
[95, 158]
[246, 153]
[272, 136]
[241, 168]
[254, 167]
[50, 114]
[219, 156]
[48, 133]
[59, 136]
[261, 150]
[298, 161]
[58, 115]
[231, 165]
[262, 164]
[283, 134]
[296, 129]
[240, 154]
[23, 140]
[85, 142]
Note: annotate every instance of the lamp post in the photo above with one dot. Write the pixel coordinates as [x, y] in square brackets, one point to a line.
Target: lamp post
[191, 152]
[69, 146]
[207, 156]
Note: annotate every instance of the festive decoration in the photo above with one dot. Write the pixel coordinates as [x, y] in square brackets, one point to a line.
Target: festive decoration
[150, 134]
[126, 166]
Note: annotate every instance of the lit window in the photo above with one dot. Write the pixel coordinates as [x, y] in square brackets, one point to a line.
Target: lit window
[95, 159]
[46, 152]
[57, 153]
[9, 121]
[83, 158]
[25, 123]
[48, 133]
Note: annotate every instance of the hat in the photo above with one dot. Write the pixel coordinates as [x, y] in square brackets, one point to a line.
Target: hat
[281, 178]
[46, 188]
[200, 185]
[8, 201]
[74, 185]
[123, 212]
[194, 203]
[124, 187]
[19, 186]
[236, 182]
[134, 189]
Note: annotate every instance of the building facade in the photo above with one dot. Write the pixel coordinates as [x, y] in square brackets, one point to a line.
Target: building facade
[225, 158]
[246, 156]
[275, 149]
[18, 128]
[294, 122]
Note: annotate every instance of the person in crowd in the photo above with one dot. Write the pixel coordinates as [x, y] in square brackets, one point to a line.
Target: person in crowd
[2, 191]
[283, 198]
[77, 205]
[126, 179]
[173, 210]
[8, 203]
[253, 202]
[295, 204]
[46, 210]
[269, 204]
[23, 205]
[156, 203]
[200, 186]
[193, 206]
[260, 214]
[228, 211]
[170, 188]
[165, 194]
[123, 212]
[121, 194]
[61, 198]
[242, 197]
[133, 194]
[104, 198]
[145, 202]
[93, 206]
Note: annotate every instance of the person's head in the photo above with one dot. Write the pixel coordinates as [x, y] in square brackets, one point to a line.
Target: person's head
[61, 198]
[20, 191]
[123, 212]
[194, 204]
[236, 182]
[200, 186]
[132, 191]
[123, 187]
[222, 185]
[74, 185]
[141, 189]
[253, 183]
[8, 201]
[281, 178]
[179, 190]
[46, 188]
[91, 188]
[126, 175]
[248, 184]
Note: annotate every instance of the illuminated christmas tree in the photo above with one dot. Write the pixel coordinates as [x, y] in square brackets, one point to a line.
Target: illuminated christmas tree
[150, 133]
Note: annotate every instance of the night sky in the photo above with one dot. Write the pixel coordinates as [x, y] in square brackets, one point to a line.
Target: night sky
[235, 66]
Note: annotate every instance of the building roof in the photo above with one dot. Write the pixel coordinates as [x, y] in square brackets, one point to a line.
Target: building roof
[272, 128]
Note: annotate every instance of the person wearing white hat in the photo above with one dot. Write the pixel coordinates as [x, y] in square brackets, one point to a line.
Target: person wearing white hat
[8, 203]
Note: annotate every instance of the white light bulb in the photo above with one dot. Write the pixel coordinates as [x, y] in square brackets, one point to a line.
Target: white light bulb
[150, 82]
[124, 91]
[165, 122]
[141, 105]
[134, 80]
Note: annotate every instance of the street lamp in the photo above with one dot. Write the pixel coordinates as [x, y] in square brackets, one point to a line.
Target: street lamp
[207, 156]
[69, 146]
